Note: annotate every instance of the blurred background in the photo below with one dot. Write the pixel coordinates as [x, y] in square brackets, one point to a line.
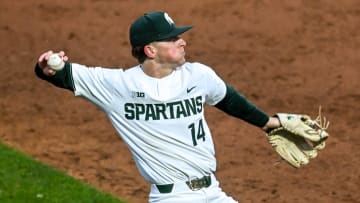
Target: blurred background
[285, 56]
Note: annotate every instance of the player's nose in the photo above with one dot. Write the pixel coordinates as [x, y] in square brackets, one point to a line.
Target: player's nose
[181, 42]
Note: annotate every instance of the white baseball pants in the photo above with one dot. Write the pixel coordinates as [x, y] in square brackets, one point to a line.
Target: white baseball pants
[181, 193]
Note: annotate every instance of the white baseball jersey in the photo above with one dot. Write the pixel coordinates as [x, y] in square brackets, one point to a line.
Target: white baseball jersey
[161, 120]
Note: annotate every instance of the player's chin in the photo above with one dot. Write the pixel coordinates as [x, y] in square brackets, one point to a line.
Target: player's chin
[182, 61]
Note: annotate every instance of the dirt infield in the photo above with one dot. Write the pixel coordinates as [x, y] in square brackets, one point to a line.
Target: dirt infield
[288, 56]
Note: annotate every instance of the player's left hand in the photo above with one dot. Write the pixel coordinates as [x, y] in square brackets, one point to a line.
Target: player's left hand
[299, 138]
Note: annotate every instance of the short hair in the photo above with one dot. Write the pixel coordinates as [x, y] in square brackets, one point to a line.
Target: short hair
[138, 53]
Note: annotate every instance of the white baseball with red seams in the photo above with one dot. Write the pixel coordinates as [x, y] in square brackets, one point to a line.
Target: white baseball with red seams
[55, 62]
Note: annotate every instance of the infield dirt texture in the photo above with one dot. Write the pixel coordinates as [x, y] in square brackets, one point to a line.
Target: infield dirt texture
[288, 56]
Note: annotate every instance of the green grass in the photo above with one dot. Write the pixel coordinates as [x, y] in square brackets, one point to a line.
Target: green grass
[25, 180]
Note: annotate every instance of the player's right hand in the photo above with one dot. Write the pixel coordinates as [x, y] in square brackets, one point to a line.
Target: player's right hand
[42, 61]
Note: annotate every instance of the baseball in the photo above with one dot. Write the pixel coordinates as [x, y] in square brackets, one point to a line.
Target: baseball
[55, 62]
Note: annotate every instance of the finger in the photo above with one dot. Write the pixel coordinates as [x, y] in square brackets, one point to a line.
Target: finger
[43, 59]
[61, 53]
[49, 71]
[48, 54]
[45, 56]
[63, 56]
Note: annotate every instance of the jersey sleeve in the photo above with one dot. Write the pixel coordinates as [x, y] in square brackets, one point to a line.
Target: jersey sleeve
[95, 84]
[215, 86]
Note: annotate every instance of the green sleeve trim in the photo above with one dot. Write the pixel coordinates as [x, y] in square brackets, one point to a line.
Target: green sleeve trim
[236, 104]
[62, 78]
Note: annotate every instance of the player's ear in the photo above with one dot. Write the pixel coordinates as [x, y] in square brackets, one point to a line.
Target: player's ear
[150, 51]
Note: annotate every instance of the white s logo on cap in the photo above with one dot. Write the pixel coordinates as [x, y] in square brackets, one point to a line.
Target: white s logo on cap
[168, 19]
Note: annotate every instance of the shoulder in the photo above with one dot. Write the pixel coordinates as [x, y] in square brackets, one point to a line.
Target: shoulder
[133, 70]
[96, 69]
[197, 68]
[97, 76]
[102, 71]
[196, 65]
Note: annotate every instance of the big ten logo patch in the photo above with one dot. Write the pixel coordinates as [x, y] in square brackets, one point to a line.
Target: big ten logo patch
[137, 94]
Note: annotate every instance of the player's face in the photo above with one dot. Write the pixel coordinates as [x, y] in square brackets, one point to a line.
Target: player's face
[171, 50]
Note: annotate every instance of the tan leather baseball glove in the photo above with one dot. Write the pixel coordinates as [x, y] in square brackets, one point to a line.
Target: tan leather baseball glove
[299, 138]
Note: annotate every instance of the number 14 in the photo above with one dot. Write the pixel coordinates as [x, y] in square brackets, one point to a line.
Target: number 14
[200, 134]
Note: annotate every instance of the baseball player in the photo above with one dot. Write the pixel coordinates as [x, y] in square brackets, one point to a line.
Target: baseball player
[157, 107]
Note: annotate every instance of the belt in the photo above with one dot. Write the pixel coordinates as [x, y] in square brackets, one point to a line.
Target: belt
[194, 184]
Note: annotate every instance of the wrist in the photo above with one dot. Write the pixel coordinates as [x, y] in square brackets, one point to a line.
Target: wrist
[272, 123]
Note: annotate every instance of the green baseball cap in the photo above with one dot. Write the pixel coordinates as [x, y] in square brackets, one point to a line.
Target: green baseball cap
[152, 27]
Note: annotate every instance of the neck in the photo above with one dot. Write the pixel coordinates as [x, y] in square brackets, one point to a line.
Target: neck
[157, 70]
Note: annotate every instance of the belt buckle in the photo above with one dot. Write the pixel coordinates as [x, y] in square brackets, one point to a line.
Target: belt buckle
[192, 186]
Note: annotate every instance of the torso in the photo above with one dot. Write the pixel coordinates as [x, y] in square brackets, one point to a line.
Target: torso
[161, 120]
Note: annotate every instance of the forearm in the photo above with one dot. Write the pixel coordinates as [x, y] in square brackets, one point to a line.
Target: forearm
[238, 106]
[62, 78]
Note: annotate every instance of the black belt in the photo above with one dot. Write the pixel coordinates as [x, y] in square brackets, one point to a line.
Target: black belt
[195, 184]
